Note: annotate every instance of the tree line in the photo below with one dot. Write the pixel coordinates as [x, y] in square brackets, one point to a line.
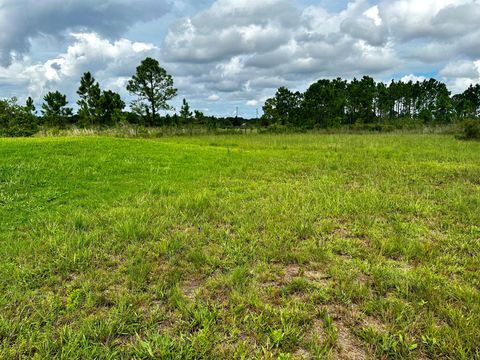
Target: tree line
[151, 85]
[326, 103]
[152, 89]
[330, 103]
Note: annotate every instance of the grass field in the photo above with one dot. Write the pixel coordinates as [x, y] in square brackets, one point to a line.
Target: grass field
[256, 246]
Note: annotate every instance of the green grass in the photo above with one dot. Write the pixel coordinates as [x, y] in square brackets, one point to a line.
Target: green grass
[256, 246]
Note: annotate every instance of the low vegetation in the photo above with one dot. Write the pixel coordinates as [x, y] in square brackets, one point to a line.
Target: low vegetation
[257, 246]
[470, 130]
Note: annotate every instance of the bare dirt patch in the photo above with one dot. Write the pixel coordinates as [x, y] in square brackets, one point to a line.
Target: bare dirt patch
[302, 354]
[318, 277]
[189, 288]
[292, 271]
[348, 346]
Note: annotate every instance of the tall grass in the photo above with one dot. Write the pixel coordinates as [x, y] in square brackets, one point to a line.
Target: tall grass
[126, 130]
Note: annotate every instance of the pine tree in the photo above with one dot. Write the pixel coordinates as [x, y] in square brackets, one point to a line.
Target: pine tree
[89, 103]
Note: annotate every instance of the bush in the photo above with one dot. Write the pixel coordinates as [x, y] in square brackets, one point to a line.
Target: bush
[470, 130]
[15, 120]
[375, 127]
[22, 125]
[276, 129]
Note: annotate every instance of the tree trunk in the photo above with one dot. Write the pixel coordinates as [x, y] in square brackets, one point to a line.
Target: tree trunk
[154, 113]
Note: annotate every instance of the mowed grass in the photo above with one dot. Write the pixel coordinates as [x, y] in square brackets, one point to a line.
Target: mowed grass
[247, 246]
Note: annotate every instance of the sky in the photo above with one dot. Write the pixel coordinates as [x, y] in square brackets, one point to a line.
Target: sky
[225, 54]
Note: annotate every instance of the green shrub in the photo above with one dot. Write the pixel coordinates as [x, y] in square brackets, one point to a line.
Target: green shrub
[15, 120]
[276, 129]
[470, 130]
[374, 127]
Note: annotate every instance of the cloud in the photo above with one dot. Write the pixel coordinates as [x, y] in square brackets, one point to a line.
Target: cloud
[249, 48]
[23, 20]
[228, 29]
[460, 74]
[413, 78]
[374, 14]
[363, 22]
[225, 53]
[213, 97]
[410, 19]
[462, 68]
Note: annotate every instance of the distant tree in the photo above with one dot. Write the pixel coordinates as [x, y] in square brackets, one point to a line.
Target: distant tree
[199, 117]
[443, 103]
[185, 112]
[211, 122]
[133, 118]
[360, 100]
[472, 97]
[467, 104]
[89, 103]
[416, 99]
[284, 108]
[6, 112]
[54, 110]
[460, 106]
[186, 115]
[16, 120]
[324, 103]
[269, 112]
[168, 120]
[288, 105]
[329, 103]
[384, 102]
[174, 119]
[283, 104]
[110, 106]
[29, 105]
[154, 88]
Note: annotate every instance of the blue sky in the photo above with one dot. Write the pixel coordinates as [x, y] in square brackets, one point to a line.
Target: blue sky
[223, 54]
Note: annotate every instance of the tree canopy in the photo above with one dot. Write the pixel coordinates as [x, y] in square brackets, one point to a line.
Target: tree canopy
[89, 102]
[153, 87]
[328, 103]
[54, 109]
[16, 120]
